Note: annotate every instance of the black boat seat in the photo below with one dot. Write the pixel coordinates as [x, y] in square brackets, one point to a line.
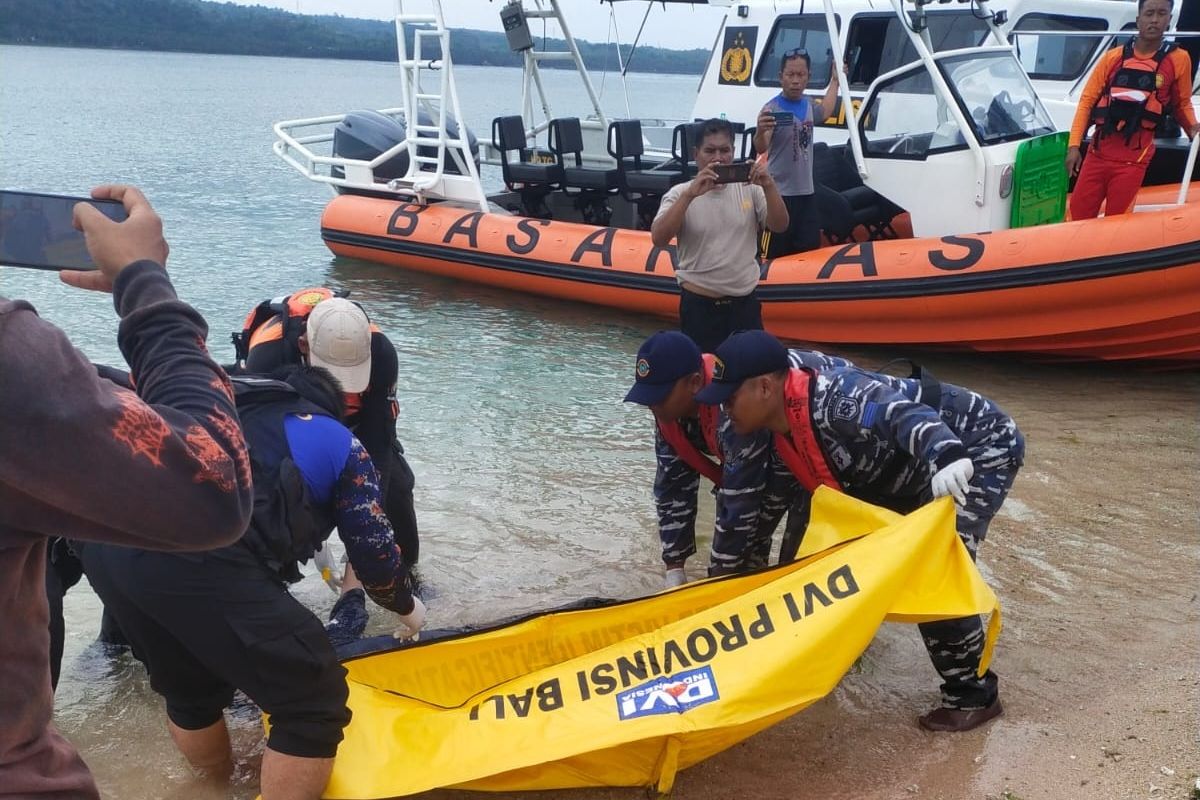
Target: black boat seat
[604, 180]
[533, 180]
[566, 139]
[844, 202]
[637, 184]
[683, 146]
[523, 172]
[593, 184]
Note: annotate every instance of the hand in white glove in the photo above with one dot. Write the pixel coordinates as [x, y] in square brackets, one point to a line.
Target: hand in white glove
[954, 479]
[675, 577]
[412, 622]
[331, 571]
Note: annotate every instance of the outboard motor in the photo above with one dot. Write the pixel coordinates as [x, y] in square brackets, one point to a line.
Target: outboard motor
[364, 135]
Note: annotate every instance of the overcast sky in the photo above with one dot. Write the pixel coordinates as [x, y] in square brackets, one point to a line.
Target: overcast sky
[678, 26]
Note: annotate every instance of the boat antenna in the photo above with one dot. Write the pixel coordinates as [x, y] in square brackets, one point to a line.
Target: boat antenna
[615, 31]
[637, 38]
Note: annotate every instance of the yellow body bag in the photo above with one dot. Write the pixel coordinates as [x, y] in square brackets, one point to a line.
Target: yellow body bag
[629, 693]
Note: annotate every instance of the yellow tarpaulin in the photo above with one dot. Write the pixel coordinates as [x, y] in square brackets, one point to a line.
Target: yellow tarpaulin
[627, 694]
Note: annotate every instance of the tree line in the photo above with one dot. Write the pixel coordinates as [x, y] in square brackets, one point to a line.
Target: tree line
[199, 26]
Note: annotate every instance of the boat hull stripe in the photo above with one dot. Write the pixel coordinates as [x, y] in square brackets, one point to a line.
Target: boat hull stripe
[875, 289]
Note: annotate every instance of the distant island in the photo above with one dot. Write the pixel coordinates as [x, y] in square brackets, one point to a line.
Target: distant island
[198, 26]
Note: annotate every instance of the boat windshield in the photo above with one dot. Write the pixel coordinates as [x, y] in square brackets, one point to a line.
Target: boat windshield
[996, 96]
[1056, 57]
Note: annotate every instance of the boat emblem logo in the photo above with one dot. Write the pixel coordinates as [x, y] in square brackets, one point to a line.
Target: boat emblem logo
[673, 694]
[643, 368]
[737, 55]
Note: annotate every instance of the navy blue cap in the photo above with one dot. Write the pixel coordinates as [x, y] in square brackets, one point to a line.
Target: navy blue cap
[662, 359]
[745, 354]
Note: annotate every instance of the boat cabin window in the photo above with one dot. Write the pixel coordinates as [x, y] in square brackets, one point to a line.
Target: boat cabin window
[877, 43]
[797, 32]
[996, 96]
[1046, 56]
[905, 119]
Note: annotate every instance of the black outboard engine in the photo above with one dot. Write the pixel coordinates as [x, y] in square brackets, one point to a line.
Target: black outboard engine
[364, 135]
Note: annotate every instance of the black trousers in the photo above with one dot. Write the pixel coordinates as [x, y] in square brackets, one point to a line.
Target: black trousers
[205, 624]
[398, 505]
[708, 321]
[804, 228]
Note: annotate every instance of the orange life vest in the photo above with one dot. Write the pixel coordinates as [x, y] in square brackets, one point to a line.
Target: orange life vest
[280, 318]
[800, 450]
[276, 319]
[673, 433]
[1131, 100]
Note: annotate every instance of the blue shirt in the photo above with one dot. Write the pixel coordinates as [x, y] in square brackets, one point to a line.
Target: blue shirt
[789, 156]
[337, 470]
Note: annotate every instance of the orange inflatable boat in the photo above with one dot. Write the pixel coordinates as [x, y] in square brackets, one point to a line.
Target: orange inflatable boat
[957, 138]
[1118, 288]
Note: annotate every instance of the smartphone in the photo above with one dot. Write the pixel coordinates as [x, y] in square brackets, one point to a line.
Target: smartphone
[783, 118]
[738, 172]
[36, 230]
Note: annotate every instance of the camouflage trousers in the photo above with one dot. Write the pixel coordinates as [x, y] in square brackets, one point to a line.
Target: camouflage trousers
[956, 645]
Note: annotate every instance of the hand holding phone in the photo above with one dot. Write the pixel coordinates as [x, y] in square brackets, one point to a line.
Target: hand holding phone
[783, 118]
[114, 246]
[38, 230]
[738, 172]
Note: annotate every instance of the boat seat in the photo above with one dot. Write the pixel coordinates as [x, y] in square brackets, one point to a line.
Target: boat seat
[637, 184]
[683, 147]
[749, 152]
[593, 185]
[532, 180]
[844, 201]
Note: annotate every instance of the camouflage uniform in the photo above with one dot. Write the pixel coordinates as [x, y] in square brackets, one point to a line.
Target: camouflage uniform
[748, 506]
[884, 443]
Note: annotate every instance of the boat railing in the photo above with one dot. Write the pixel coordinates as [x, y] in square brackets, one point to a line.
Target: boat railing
[295, 141]
[425, 113]
[1187, 170]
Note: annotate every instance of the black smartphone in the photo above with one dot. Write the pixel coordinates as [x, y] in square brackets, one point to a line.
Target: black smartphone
[36, 230]
[783, 118]
[737, 172]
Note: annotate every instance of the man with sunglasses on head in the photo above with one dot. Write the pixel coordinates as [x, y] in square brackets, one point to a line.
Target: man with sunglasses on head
[715, 225]
[785, 133]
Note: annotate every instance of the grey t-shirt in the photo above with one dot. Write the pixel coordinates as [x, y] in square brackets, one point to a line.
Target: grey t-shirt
[789, 156]
[718, 241]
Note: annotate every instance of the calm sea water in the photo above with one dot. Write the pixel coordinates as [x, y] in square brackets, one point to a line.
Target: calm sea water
[533, 478]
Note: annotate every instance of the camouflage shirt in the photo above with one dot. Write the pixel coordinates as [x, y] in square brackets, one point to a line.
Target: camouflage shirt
[745, 499]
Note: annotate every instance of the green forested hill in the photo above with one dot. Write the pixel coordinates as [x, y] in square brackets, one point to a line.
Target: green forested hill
[197, 26]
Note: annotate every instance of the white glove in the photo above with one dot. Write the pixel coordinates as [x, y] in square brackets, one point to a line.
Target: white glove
[331, 571]
[412, 622]
[675, 577]
[954, 479]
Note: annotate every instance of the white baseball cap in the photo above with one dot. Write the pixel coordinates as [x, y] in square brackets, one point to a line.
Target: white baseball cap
[339, 340]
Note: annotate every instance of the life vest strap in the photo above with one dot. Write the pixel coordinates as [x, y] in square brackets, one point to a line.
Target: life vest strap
[800, 450]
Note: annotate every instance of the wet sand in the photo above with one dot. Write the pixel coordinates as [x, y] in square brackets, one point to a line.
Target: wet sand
[1095, 558]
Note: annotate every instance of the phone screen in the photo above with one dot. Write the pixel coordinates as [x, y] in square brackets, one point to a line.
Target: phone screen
[36, 230]
[738, 172]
